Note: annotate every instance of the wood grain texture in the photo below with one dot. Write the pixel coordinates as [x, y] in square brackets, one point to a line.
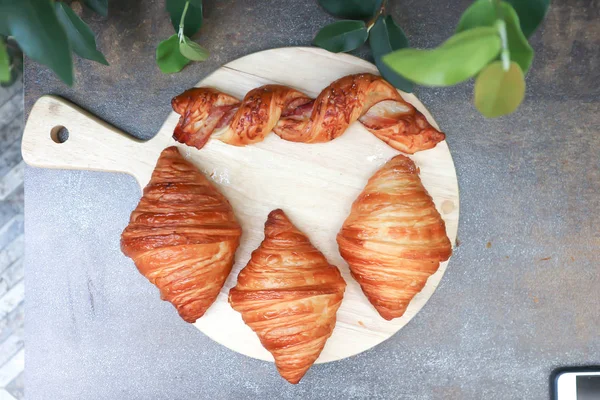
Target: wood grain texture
[315, 184]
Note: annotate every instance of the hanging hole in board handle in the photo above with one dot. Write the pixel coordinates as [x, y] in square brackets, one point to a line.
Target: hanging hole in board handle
[59, 134]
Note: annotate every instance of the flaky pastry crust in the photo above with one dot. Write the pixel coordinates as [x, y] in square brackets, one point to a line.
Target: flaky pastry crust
[182, 235]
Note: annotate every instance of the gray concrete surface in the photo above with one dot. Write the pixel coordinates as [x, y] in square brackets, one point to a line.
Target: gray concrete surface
[521, 295]
[12, 243]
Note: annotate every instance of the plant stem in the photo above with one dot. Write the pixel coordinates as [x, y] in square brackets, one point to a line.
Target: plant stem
[372, 21]
[501, 25]
[504, 55]
[181, 21]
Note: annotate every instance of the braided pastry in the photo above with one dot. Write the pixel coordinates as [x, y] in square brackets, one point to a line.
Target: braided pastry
[294, 116]
[394, 238]
[289, 295]
[182, 236]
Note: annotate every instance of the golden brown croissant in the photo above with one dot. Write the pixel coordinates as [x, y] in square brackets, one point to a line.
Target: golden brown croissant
[394, 238]
[294, 116]
[289, 295]
[182, 236]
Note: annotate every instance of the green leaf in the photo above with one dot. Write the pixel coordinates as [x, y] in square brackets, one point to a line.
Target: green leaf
[99, 6]
[192, 50]
[480, 13]
[531, 13]
[483, 13]
[193, 16]
[4, 62]
[351, 9]
[342, 36]
[168, 56]
[34, 25]
[79, 33]
[384, 37]
[499, 92]
[459, 58]
[15, 57]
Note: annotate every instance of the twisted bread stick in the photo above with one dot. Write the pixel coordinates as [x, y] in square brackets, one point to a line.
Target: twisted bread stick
[294, 116]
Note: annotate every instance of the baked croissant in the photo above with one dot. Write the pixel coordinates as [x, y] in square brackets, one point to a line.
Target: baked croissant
[182, 235]
[394, 238]
[294, 116]
[289, 295]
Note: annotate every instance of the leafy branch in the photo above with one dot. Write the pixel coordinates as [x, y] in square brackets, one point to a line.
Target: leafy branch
[367, 19]
[490, 44]
[178, 50]
[47, 32]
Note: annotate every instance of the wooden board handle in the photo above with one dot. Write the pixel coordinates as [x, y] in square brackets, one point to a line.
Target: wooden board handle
[92, 144]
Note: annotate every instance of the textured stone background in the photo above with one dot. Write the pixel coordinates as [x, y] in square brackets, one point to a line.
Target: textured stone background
[521, 294]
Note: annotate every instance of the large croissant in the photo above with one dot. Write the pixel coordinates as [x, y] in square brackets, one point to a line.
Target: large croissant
[182, 236]
[289, 295]
[394, 238]
[294, 116]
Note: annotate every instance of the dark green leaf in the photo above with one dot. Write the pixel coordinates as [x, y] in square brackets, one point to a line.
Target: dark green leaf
[499, 92]
[193, 16]
[384, 37]
[342, 36]
[192, 50]
[351, 9]
[480, 13]
[168, 56]
[396, 35]
[99, 6]
[79, 33]
[459, 58]
[4, 62]
[531, 13]
[483, 13]
[34, 26]
[4, 20]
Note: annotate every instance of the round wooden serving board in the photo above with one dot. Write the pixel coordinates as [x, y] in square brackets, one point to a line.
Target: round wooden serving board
[315, 184]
